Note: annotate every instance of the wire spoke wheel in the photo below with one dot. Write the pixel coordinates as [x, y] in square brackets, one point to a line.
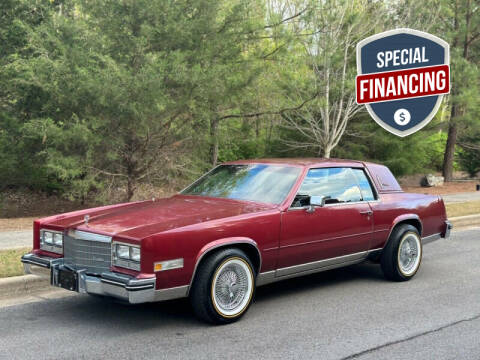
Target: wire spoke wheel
[409, 254]
[232, 287]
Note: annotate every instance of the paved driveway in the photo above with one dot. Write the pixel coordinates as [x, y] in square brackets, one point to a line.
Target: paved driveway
[15, 239]
[350, 313]
[462, 197]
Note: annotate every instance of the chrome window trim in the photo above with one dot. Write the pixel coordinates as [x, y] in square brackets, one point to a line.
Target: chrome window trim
[376, 194]
[227, 164]
[337, 204]
[374, 189]
[200, 178]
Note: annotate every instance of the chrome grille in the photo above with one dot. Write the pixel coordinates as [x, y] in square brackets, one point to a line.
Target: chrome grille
[94, 256]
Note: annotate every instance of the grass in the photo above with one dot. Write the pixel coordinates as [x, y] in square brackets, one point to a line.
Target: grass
[10, 264]
[461, 209]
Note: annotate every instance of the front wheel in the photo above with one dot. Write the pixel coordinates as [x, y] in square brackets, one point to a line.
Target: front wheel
[402, 255]
[223, 287]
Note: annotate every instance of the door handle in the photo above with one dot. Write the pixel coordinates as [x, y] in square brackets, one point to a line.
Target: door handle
[368, 212]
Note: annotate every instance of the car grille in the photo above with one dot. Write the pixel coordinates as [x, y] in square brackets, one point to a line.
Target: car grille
[93, 256]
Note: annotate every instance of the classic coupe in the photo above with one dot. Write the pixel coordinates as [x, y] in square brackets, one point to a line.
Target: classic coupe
[243, 224]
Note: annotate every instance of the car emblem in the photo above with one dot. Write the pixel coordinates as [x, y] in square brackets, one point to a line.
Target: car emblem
[402, 77]
[86, 218]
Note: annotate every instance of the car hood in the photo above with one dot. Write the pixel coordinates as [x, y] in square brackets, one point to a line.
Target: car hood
[142, 219]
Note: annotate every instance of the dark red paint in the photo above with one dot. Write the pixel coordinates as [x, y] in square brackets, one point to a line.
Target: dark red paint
[188, 226]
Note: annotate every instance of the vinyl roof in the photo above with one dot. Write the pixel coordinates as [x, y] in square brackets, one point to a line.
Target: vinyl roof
[321, 162]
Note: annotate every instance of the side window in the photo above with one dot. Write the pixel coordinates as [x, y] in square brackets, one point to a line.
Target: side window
[340, 184]
[364, 183]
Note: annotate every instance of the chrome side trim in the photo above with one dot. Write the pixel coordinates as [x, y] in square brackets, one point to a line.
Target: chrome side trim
[431, 238]
[311, 268]
[171, 293]
[265, 278]
[305, 268]
[374, 253]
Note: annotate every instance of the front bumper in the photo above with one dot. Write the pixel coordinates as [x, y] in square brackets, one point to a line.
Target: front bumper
[112, 284]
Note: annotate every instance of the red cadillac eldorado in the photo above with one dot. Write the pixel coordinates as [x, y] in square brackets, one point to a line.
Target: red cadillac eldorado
[241, 225]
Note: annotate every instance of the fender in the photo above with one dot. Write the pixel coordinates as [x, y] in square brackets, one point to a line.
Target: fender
[401, 218]
[221, 243]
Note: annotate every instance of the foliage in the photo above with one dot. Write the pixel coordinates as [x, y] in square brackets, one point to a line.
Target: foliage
[469, 154]
[100, 97]
[330, 58]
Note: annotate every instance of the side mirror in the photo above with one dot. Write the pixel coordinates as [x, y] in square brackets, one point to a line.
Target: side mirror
[317, 200]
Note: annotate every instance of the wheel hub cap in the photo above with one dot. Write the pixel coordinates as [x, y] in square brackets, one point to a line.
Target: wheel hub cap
[408, 254]
[231, 287]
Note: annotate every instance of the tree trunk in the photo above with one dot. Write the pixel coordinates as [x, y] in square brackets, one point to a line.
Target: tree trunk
[449, 155]
[450, 149]
[214, 141]
[326, 152]
[130, 188]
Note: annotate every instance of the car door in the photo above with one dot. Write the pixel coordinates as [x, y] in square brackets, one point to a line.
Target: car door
[340, 230]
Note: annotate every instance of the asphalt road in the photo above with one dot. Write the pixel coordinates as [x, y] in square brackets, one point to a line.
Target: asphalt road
[350, 313]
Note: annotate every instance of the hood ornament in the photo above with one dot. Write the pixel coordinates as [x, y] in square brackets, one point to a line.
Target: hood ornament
[86, 218]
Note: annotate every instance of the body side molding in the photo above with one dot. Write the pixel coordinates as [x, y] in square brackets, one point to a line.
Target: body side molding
[312, 267]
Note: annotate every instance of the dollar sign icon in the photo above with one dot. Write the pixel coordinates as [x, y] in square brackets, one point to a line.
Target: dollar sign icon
[402, 117]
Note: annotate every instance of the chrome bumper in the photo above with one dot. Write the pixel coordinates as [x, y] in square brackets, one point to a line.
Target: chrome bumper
[448, 229]
[444, 234]
[112, 284]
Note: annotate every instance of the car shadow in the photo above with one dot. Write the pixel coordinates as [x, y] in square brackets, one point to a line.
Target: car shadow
[323, 280]
[112, 316]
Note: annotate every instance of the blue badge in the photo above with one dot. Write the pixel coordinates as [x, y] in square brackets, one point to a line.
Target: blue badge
[402, 77]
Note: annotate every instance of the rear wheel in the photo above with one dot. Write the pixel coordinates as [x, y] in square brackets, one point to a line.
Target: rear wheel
[402, 255]
[224, 286]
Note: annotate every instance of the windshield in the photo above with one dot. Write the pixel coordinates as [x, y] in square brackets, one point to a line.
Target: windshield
[256, 182]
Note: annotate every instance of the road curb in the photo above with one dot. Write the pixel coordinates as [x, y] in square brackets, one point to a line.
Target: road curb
[468, 220]
[23, 285]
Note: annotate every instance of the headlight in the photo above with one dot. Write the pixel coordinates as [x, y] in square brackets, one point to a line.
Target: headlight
[58, 239]
[48, 237]
[135, 253]
[123, 252]
[126, 256]
[51, 240]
